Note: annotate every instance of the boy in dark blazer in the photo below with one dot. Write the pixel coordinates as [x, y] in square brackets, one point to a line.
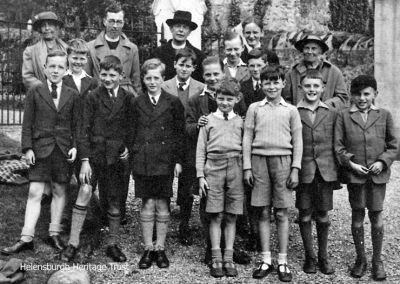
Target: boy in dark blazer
[103, 151]
[318, 172]
[49, 133]
[183, 86]
[365, 146]
[157, 149]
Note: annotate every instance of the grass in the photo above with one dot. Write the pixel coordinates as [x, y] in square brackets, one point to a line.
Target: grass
[186, 265]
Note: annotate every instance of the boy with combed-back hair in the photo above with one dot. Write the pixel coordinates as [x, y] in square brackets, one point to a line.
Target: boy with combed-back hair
[157, 147]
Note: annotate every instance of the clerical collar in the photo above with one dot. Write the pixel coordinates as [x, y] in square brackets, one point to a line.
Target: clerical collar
[111, 39]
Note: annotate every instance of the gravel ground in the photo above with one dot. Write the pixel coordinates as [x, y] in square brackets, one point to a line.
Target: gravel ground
[186, 265]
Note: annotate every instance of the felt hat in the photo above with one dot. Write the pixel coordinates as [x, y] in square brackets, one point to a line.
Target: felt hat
[311, 38]
[45, 16]
[182, 17]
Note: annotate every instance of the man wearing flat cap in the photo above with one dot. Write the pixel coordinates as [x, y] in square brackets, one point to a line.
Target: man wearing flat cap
[34, 56]
[181, 26]
[313, 47]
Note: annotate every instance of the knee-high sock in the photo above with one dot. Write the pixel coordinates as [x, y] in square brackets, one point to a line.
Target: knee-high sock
[78, 218]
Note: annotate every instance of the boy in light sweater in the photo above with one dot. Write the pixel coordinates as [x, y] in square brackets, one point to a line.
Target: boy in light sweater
[272, 150]
[219, 169]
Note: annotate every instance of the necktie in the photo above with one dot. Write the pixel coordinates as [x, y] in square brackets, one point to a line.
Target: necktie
[113, 96]
[257, 86]
[153, 101]
[225, 116]
[180, 86]
[53, 91]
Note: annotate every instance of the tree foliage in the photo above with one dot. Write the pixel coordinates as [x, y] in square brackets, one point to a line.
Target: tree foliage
[350, 16]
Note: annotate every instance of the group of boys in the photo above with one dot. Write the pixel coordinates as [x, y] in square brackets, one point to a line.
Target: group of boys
[197, 132]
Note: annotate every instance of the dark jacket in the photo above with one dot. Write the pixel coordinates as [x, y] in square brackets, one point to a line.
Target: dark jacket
[104, 134]
[157, 135]
[249, 94]
[318, 151]
[166, 53]
[365, 143]
[45, 126]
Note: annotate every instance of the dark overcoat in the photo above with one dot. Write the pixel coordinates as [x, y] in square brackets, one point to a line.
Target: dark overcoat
[104, 133]
[157, 135]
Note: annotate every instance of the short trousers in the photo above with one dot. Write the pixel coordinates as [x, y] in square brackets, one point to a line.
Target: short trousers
[54, 167]
[270, 176]
[368, 195]
[153, 186]
[317, 195]
[225, 181]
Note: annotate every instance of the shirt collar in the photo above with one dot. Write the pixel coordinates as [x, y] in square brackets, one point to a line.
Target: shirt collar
[281, 102]
[111, 39]
[156, 97]
[80, 76]
[207, 91]
[249, 48]
[303, 104]
[59, 84]
[220, 114]
[241, 63]
[354, 108]
[255, 82]
[187, 82]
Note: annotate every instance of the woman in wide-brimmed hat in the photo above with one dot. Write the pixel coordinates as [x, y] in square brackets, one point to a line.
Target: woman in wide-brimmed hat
[313, 47]
[48, 25]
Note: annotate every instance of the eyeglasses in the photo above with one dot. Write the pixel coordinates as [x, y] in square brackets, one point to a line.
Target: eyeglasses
[114, 22]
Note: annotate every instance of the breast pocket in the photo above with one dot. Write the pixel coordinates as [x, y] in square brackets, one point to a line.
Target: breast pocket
[380, 130]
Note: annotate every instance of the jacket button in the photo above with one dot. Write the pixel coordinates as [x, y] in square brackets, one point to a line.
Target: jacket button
[162, 142]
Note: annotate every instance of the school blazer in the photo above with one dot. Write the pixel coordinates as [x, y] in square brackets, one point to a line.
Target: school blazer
[249, 95]
[318, 149]
[157, 134]
[104, 133]
[242, 73]
[45, 126]
[365, 143]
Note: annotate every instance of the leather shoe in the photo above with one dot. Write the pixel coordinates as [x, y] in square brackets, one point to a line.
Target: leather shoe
[69, 253]
[263, 270]
[230, 269]
[378, 271]
[216, 269]
[147, 259]
[114, 252]
[56, 242]
[241, 257]
[161, 259]
[309, 266]
[359, 268]
[325, 266]
[18, 247]
[286, 274]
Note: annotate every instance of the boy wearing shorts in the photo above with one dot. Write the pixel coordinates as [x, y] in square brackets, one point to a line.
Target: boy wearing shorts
[366, 146]
[318, 172]
[272, 150]
[49, 134]
[157, 147]
[219, 169]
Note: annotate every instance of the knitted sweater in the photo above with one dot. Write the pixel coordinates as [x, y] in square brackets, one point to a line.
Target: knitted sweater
[272, 130]
[219, 139]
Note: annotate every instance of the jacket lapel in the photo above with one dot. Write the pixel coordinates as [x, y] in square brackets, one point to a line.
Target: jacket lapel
[69, 81]
[105, 98]
[162, 106]
[118, 103]
[320, 115]
[45, 94]
[64, 96]
[373, 116]
[356, 117]
[305, 118]
[85, 84]
[203, 103]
